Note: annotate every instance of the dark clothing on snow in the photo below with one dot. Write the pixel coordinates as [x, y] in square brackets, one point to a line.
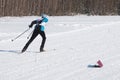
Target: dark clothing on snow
[38, 30]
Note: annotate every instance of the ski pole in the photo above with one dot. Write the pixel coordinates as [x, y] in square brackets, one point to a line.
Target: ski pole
[20, 35]
[29, 35]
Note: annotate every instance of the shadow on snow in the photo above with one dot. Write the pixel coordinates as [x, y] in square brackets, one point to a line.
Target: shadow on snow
[10, 51]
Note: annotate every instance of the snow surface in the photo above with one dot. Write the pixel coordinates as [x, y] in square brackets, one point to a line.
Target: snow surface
[73, 43]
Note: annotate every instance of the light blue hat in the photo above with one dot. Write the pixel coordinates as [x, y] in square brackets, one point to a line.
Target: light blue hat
[44, 16]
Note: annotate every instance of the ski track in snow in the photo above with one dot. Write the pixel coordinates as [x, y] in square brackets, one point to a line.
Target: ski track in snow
[69, 52]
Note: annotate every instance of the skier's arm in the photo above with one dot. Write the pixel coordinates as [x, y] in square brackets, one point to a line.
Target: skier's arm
[32, 23]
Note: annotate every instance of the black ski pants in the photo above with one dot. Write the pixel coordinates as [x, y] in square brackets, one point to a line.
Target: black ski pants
[34, 35]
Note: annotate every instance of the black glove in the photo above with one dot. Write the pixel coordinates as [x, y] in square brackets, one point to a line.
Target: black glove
[30, 26]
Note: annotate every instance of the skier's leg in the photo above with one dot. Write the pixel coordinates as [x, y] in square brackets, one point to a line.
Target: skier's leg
[35, 33]
[42, 33]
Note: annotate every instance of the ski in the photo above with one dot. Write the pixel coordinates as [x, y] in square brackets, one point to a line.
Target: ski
[39, 51]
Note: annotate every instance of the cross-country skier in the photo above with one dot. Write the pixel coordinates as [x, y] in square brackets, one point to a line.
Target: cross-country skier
[39, 29]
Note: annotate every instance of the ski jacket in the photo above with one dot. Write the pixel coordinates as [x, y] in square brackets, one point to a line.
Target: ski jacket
[39, 23]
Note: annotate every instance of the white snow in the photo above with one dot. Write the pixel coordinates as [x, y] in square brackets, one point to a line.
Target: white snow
[73, 43]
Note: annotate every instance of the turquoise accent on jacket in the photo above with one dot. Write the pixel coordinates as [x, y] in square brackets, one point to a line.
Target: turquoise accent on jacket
[42, 26]
[45, 20]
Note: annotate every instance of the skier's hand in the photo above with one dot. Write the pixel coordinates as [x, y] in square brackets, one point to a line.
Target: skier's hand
[30, 26]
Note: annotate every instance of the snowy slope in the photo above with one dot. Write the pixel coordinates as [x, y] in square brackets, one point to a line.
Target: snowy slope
[73, 43]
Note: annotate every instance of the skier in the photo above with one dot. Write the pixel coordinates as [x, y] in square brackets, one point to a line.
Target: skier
[39, 29]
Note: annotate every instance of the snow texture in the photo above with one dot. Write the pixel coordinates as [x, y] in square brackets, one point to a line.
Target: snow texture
[73, 43]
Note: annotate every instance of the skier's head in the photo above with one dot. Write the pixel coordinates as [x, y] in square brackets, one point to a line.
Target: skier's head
[44, 18]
